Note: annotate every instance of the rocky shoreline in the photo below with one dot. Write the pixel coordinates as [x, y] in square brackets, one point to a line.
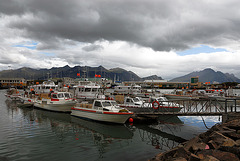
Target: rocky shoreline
[220, 143]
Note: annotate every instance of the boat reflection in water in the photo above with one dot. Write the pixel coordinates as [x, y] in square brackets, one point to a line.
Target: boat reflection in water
[116, 131]
[106, 137]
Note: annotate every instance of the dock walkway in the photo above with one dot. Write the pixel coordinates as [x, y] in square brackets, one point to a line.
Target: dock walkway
[197, 107]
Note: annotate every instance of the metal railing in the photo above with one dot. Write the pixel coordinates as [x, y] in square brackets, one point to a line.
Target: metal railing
[194, 107]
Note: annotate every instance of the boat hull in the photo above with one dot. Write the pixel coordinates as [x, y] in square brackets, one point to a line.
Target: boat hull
[177, 97]
[13, 97]
[137, 109]
[25, 105]
[66, 107]
[112, 117]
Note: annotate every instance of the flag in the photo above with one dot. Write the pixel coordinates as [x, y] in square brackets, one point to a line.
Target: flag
[97, 76]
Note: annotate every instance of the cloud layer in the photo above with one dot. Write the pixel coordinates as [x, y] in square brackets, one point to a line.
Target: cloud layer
[139, 35]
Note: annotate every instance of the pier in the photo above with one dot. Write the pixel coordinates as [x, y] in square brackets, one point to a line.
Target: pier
[196, 107]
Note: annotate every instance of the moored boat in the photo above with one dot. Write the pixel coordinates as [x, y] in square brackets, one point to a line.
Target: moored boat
[45, 87]
[102, 110]
[12, 94]
[178, 97]
[90, 91]
[59, 102]
[161, 104]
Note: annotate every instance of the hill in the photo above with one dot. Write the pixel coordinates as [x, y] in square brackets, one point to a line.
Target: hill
[152, 77]
[208, 75]
[66, 71]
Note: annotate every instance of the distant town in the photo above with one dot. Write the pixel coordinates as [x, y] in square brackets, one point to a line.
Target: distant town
[193, 83]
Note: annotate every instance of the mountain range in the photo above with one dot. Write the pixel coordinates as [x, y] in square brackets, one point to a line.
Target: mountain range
[208, 75]
[74, 72]
[119, 74]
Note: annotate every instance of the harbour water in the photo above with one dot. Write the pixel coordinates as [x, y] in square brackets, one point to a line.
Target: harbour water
[28, 134]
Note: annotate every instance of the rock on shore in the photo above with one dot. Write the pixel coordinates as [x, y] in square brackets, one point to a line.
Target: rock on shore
[220, 143]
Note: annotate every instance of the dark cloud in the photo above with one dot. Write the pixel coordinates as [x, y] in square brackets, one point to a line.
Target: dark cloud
[92, 48]
[11, 7]
[161, 25]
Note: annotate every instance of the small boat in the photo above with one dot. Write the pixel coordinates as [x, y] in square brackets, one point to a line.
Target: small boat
[102, 110]
[12, 94]
[122, 89]
[58, 101]
[178, 97]
[45, 87]
[136, 104]
[27, 99]
[161, 104]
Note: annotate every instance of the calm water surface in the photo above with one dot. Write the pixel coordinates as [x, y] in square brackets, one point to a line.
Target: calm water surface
[28, 134]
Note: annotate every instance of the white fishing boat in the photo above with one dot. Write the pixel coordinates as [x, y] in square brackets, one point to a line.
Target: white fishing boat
[59, 102]
[178, 97]
[164, 105]
[122, 89]
[12, 94]
[161, 104]
[102, 110]
[27, 99]
[90, 91]
[45, 87]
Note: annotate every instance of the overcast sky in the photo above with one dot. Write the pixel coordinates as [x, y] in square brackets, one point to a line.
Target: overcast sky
[168, 38]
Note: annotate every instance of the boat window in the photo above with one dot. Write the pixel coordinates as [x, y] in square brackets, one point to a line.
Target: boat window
[98, 104]
[136, 99]
[88, 90]
[60, 95]
[161, 99]
[104, 109]
[80, 89]
[54, 96]
[129, 100]
[165, 99]
[105, 104]
[67, 95]
[47, 87]
[53, 87]
[113, 103]
[94, 90]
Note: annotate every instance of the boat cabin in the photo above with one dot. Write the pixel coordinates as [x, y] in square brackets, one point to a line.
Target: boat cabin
[91, 91]
[133, 101]
[127, 89]
[45, 87]
[61, 95]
